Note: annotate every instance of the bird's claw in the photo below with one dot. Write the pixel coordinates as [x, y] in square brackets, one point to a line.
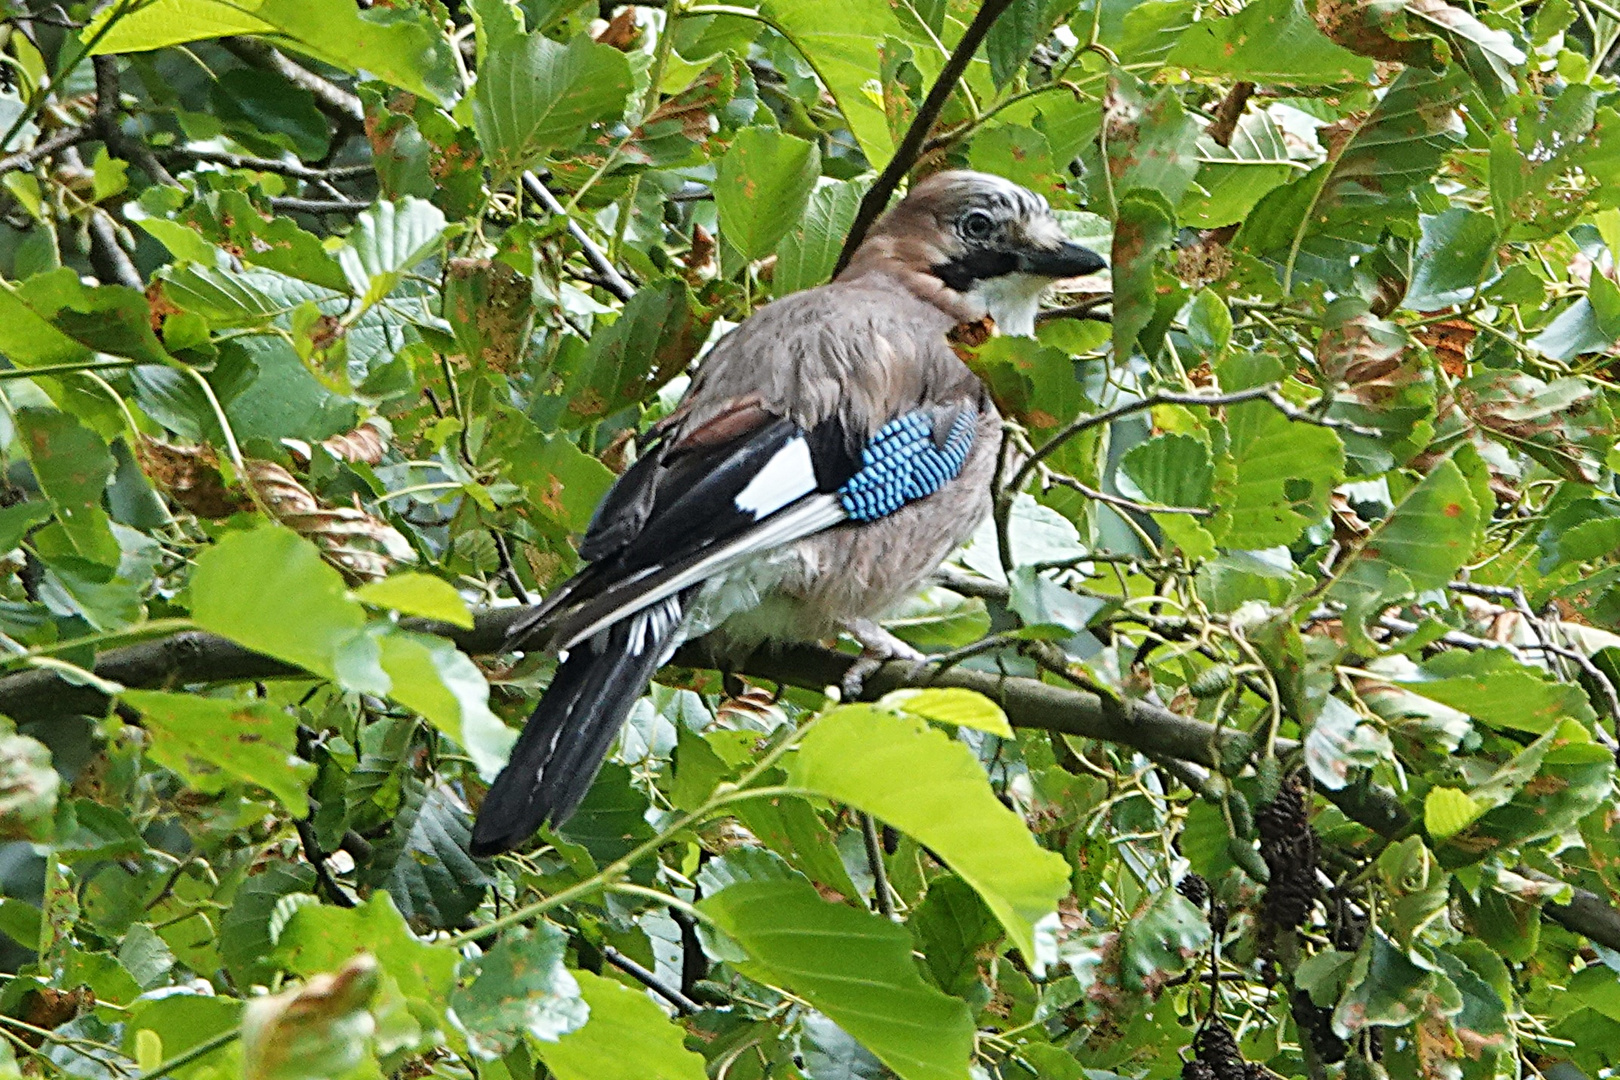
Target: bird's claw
[878, 647]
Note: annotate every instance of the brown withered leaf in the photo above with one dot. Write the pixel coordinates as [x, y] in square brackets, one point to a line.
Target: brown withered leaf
[1449, 340]
[1368, 355]
[621, 32]
[366, 443]
[190, 476]
[360, 545]
[47, 1008]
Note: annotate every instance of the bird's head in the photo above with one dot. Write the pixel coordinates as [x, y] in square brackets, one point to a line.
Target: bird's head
[976, 244]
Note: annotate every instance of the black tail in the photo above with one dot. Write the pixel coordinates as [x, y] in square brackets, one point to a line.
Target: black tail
[569, 734]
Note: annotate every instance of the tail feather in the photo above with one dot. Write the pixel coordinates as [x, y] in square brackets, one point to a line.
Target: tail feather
[571, 730]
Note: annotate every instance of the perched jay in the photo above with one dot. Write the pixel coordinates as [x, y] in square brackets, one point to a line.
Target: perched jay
[831, 451]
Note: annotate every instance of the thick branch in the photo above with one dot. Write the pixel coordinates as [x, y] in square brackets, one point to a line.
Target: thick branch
[910, 148]
[195, 657]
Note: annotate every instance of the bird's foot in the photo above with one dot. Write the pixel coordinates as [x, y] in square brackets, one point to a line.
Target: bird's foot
[878, 647]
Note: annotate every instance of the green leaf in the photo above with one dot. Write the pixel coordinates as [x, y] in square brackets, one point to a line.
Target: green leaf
[1171, 470]
[400, 45]
[1271, 41]
[181, 1022]
[1272, 478]
[1161, 939]
[952, 926]
[628, 1037]
[562, 483]
[72, 466]
[1311, 226]
[1447, 812]
[433, 677]
[1155, 145]
[107, 318]
[949, 705]
[535, 95]
[806, 255]
[28, 787]
[244, 931]
[1384, 987]
[1011, 38]
[931, 787]
[845, 52]
[762, 188]
[210, 741]
[654, 338]
[423, 861]
[417, 594]
[1340, 741]
[319, 938]
[1452, 259]
[1142, 231]
[27, 339]
[521, 986]
[230, 219]
[1232, 179]
[1420, 546]
[388, 239]
[854, 966]
[269, 589]
[1499, 691]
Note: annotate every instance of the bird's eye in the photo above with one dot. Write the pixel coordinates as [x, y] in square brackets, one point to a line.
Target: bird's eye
[977, 225]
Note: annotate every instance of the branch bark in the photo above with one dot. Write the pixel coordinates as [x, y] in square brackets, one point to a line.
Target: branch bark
[910, 148]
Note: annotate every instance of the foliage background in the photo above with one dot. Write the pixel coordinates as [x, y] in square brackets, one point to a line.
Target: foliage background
[327, 325]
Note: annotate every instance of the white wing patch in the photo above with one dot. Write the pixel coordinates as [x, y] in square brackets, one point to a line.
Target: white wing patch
[788, 476]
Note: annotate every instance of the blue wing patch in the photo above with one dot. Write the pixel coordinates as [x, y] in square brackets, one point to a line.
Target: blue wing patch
[902, 464]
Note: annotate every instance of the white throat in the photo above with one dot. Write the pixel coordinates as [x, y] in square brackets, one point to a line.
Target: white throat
[1011, 300]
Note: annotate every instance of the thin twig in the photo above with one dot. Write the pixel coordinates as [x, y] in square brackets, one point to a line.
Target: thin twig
[503, 551]
[317, 859]
[612, 280]
[874, 859]
[683, 1004]
[317, 206]
[906, 154]
[295, 169]
[1120, 501]
[51, 144]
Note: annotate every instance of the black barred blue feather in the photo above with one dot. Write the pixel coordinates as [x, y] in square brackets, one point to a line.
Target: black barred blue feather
[903, 463]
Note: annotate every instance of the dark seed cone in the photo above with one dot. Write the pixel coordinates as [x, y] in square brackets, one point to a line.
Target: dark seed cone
[1196, 1070]
[1216, 1047]
[1315, 1022]
[1194, 888]
[1288, 845]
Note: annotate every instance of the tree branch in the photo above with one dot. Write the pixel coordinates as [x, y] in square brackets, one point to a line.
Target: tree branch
[910, 148]
[295, 169]
[195, 657]
[51, 144]
[613, 281]
[330, 98]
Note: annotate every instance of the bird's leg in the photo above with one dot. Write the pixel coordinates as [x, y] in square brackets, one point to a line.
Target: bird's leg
[878, 647]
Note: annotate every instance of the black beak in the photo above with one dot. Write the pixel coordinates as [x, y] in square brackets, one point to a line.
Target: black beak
[1066, 260]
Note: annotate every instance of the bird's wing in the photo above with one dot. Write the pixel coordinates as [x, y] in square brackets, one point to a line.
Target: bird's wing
[697, 505]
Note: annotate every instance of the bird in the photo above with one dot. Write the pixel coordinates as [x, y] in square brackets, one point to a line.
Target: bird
[828, 454]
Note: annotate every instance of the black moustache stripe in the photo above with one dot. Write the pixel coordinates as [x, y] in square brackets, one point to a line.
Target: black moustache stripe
[961, 272]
